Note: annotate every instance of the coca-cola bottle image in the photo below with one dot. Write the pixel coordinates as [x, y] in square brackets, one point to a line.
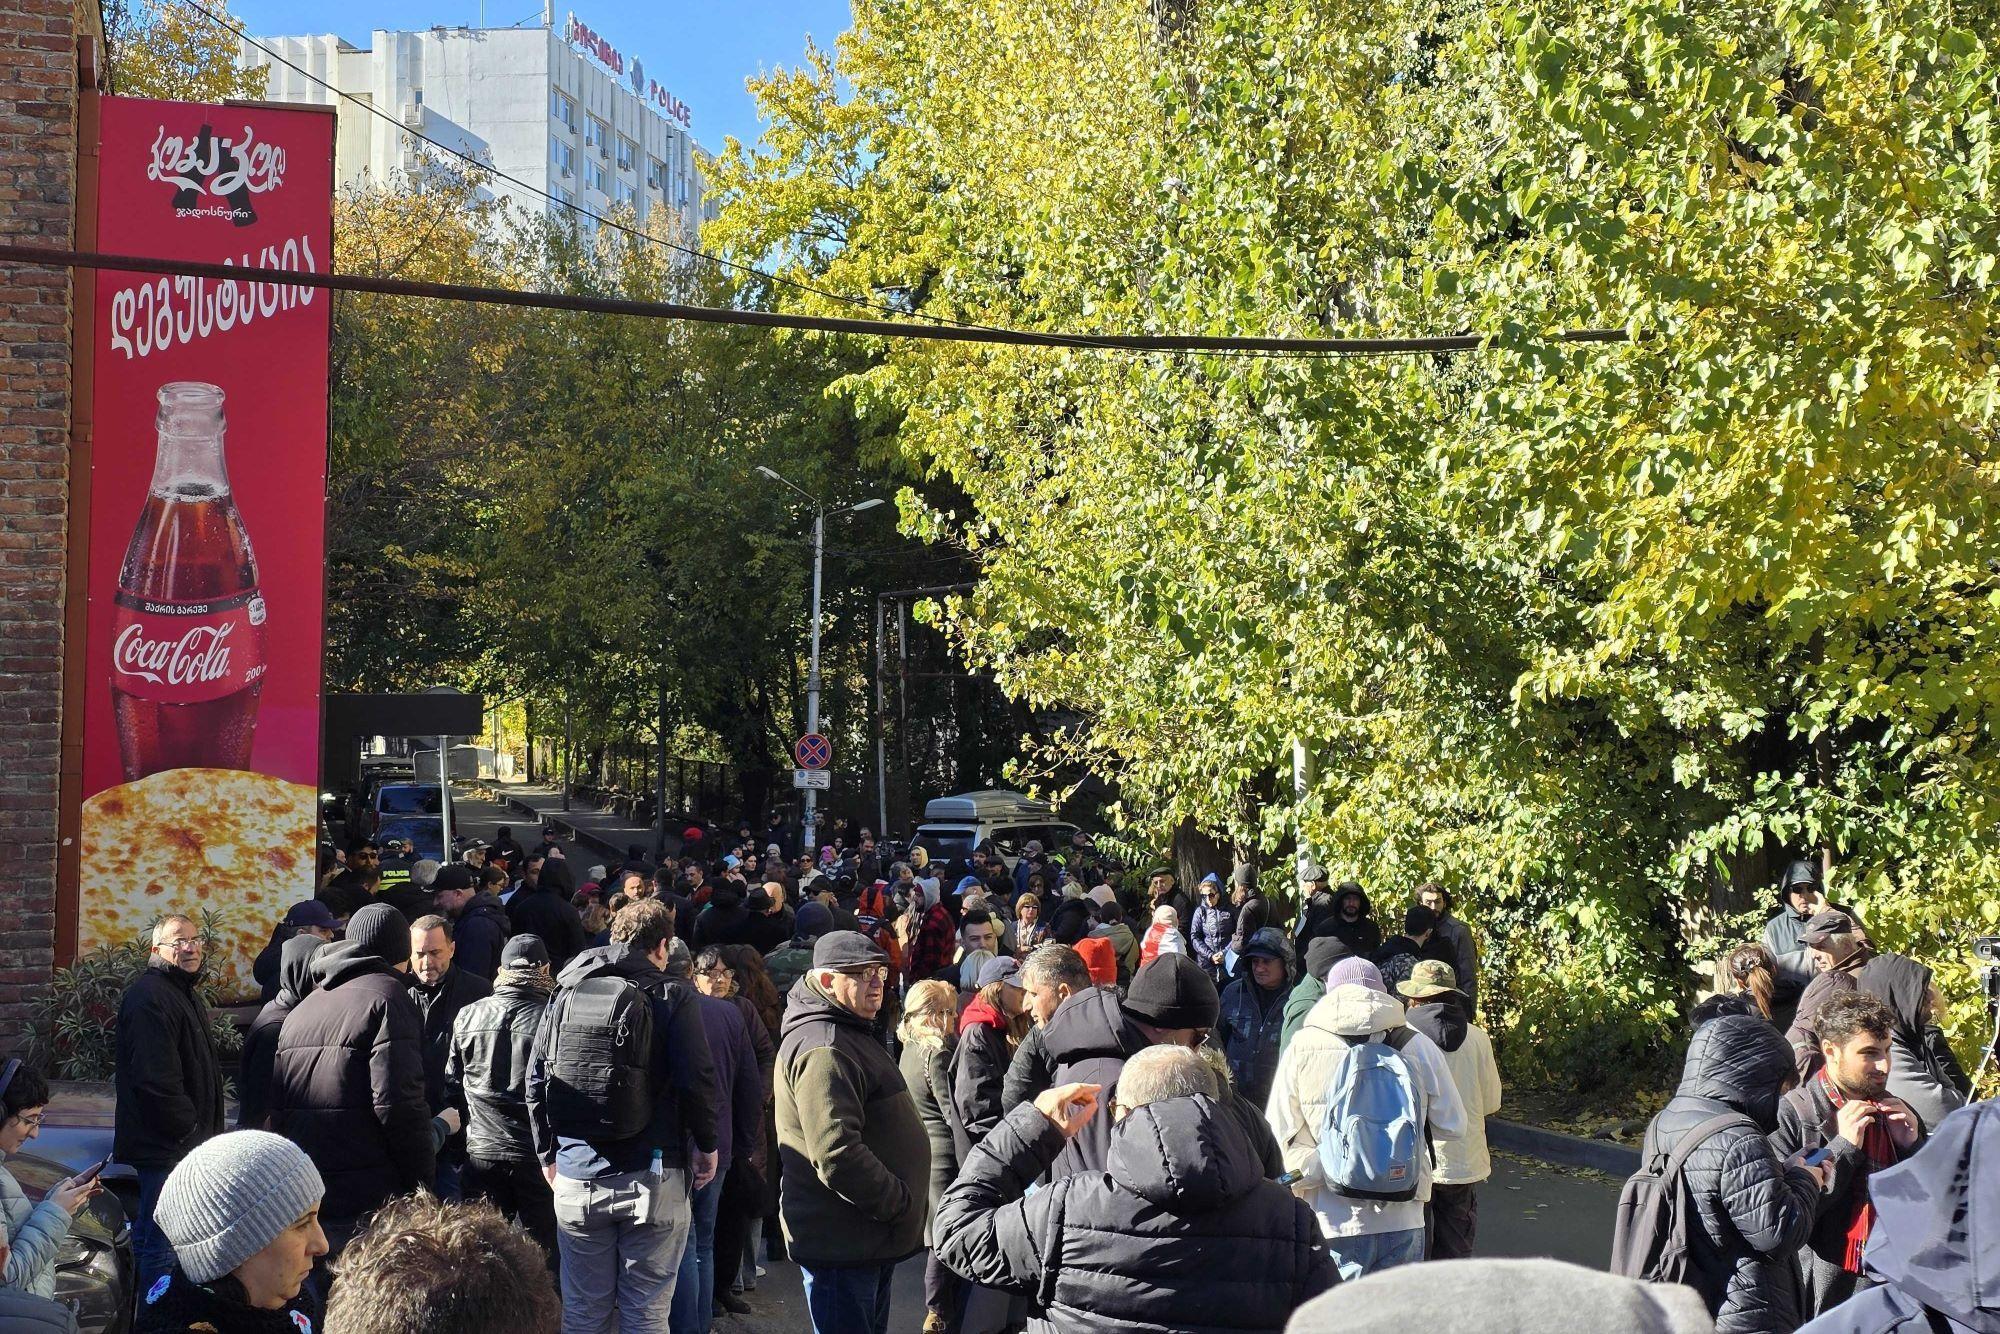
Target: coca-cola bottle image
[187, 646]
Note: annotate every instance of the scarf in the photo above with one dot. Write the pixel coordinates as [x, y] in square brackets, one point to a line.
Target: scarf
[1880, 1151]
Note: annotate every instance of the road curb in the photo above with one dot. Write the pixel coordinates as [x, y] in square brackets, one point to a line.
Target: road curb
[1552, 1146]
[569, 831]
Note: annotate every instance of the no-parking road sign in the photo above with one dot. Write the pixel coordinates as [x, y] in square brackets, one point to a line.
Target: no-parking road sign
[813, 751]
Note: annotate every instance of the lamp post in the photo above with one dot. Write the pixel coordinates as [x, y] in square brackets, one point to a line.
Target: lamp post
[808, 835]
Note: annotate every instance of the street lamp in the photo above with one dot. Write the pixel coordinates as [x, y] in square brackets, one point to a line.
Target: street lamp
[808, 836]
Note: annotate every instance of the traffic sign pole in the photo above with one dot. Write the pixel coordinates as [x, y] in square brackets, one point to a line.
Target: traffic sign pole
[809, 836]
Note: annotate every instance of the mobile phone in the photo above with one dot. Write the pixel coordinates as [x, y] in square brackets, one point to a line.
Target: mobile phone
[95, 1170]
[1818, 1156]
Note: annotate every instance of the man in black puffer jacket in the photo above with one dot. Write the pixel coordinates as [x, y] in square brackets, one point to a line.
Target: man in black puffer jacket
[1135, 1246]
[260, 1044]
[1755, 1209]
[486, 1078]
[347, 1085]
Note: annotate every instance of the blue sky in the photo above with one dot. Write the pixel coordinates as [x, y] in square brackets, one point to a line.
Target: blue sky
[700, 52]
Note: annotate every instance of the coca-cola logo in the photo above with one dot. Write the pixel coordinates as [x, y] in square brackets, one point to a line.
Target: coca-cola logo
[215, 176]
[199, 656]
[180, 652]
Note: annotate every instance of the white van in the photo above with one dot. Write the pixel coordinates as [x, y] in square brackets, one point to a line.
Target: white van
[954, 826]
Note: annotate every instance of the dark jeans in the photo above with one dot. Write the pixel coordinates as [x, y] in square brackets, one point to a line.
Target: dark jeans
[1450, 1221]
[152, 1253]
[521, 1192]
[853, 1299]
[941, 1290]
[742, 1197]
[693, 1308]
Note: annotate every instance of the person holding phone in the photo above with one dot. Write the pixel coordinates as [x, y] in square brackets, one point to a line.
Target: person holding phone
[1843, 1121]
[33, 1233]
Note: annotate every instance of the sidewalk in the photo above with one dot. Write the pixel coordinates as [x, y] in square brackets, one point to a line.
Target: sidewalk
[603, 832]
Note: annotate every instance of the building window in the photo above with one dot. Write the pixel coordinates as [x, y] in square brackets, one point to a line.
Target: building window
[595, 134]
[596, 177]
[562, 197]
[656, 175]
[562, 108]
[628, 194]
[628, 153]
[565, 157]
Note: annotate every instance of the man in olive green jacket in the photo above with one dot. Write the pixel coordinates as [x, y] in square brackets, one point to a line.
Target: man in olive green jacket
[854, 1159]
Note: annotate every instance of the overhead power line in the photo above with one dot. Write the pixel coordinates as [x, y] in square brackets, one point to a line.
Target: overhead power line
[571, 206]
[50, 257]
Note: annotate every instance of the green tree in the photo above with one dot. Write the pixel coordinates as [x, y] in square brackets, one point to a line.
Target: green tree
[162, 49]
[1591, 632]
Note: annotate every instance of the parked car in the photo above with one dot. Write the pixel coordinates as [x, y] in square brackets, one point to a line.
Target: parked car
[396, 801]
[94, 1269]
[954, 826]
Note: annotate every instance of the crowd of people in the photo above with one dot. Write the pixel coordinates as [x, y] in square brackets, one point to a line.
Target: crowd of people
[497, 1096]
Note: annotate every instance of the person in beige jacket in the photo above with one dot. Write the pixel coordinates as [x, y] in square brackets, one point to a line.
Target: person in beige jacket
[1437, 1009]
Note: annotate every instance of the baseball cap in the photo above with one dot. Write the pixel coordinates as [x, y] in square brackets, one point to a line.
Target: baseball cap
[1002, 969]
[526, 948]
[1430, 977]
[455, 876]
[311, 913]
[1831, 922]
[846, 949]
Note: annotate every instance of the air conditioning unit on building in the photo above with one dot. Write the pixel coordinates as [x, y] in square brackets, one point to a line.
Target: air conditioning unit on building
[413, 115]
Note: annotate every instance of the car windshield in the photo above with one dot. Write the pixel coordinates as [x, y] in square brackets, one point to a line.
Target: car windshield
[426, 837]
[946, 846]
[409, 799]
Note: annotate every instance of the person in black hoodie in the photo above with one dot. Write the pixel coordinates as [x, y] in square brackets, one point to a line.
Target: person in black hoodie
[1136, 1245]
[479, 923]
[1753, 1210]
[311, 918]
[168, 1080]
[486, 1077]
[1398, 955]
[441, 990]
[1935, 1245]
[1353, 920]
[543, 909]
[260, 1044]
[347, 1084]
[725, 921]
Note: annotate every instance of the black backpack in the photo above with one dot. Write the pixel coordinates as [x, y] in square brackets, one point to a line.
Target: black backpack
[1655, 1210]
[600, 1047]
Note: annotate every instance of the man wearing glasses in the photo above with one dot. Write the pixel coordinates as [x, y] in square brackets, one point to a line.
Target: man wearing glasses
[856, 1161]
[168, 1081]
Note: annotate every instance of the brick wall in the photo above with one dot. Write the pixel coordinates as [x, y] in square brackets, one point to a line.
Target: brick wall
[38, 120]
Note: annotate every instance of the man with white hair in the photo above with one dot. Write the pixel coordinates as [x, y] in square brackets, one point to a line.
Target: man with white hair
[1136, 1244]
[168, 1080]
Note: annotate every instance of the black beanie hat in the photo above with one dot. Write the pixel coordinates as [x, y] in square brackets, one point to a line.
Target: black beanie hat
[1173, 992]
[1323, 952]
[380, 931]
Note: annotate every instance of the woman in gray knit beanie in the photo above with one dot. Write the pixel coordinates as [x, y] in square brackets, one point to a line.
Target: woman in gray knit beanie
[242, 1213]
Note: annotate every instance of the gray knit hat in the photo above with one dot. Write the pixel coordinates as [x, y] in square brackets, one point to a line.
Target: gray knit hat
[231, 1197]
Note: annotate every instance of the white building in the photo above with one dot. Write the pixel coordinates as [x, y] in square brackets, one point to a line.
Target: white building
[557, 109]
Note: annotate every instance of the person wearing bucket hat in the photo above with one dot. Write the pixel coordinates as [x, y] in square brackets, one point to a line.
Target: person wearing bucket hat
[241, 1212]
[1252, 1011]
[1437, 1009]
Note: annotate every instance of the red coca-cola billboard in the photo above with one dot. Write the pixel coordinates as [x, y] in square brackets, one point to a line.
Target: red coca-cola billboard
[205, 579]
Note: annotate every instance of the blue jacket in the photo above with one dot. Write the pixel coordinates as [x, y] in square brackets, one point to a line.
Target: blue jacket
[1247, 1032]
[739, 1083]
[1936, 1241]
[1210, 930]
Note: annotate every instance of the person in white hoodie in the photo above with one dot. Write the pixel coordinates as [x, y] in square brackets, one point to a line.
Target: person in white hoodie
[1364, 1235]
[1437, 1009]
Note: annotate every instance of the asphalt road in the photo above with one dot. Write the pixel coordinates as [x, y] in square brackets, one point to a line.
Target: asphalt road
[1526, 1209]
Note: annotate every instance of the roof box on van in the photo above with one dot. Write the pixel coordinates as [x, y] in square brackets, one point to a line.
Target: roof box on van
[971, 807]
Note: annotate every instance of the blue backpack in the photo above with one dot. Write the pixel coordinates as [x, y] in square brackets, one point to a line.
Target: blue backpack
[1374, 1126]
